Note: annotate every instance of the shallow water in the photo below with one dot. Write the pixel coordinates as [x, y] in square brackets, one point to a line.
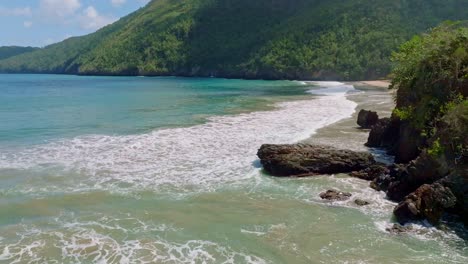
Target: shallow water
[163, 170]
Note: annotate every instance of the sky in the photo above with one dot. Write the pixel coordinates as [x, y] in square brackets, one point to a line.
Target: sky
[39, 23]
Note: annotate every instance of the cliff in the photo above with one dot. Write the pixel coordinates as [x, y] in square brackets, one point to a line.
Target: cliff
[428, 130]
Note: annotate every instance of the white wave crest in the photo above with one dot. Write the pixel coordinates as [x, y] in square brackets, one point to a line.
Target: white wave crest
[222, 150]
[91, 242]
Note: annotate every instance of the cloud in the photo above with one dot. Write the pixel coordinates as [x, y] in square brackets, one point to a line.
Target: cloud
[18, 11]
[27, 24]
[91, 19]
[117, 3]
[59, 8]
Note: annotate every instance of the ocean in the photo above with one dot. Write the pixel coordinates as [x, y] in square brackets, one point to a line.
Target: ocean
[164, 170]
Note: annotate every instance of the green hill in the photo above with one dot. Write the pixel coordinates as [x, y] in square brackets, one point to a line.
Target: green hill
[271, 39]
[10, 51]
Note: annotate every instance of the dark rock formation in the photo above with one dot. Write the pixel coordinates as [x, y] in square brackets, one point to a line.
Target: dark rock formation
[409, 143]
[402, 179]
[427, 202]
[371, 173]
[306, 160]
[399, 138]
[457, 182]
[334, 195]
[384, 134]
[361, 202]
[366, 119]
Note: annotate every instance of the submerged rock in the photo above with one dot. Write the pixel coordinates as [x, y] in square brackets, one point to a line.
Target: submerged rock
[361, 202]
[366, 119]
[306, 160]
[399, 229]
[427, 202]
[334, 195]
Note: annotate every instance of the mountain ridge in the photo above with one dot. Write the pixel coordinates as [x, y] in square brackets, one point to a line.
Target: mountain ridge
[263, 39]
[11, 51]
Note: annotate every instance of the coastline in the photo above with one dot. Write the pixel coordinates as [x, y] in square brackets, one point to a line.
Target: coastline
[374, 83]
[346, 132]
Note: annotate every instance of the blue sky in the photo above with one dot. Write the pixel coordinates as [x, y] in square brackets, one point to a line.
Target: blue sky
[42, 22]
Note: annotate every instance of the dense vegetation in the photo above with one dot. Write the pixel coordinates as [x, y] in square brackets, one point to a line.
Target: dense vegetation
[295, 39]
[431, 75]
[430, 126]
[10, 51]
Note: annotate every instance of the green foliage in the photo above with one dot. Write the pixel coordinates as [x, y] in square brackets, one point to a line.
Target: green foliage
[404, 113]
[10, 51]
[436, 149]
[431, 74]
[294, 39]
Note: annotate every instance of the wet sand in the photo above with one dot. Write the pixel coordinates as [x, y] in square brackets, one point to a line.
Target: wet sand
[376, 83]
[346, 133]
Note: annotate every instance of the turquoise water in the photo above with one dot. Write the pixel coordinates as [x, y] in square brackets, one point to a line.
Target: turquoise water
[163, 170]
[37, 108]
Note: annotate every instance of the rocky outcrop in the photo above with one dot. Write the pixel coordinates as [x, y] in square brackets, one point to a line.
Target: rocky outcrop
[436, 180]
[334, 195]
[402, 179]
[384, 134]
[371, 173]
[367, 119]
[306, 160]
[427, 202]
[457, 182]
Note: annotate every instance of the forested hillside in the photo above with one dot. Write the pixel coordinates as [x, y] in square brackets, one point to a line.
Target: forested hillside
[10, 51]
[428, 128]
[272, 39]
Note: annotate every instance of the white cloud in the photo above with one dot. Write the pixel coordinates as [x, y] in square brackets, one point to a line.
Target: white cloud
[91, 19]
[18, 11]
[59, 8]
[117, 3]
[27, 24]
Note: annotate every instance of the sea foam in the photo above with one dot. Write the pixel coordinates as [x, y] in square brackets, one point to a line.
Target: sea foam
[220, 151]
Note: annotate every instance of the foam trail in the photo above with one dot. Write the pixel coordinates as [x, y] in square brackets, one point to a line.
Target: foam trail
[222, 150]
[90, 242]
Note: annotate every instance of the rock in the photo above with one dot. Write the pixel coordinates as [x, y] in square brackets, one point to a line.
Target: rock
[399, 229]
[388, 179]
[307, 160]
[427, 169]
[458, 184]
[371, 172]
[384, 134]
[366, 119]
[361, 202]
[406, 178]
[377, 133]
[427, 202]
[399, 189]
[334, 195]
[409, 143]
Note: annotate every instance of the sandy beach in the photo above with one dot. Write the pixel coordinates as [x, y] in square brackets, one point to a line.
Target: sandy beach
[375, 83]
[369, 95]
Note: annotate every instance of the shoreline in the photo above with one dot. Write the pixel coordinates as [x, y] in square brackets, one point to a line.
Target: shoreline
[374, 83]
[346, 131]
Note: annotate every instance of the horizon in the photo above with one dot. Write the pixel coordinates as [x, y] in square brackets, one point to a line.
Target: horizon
[39, 23]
